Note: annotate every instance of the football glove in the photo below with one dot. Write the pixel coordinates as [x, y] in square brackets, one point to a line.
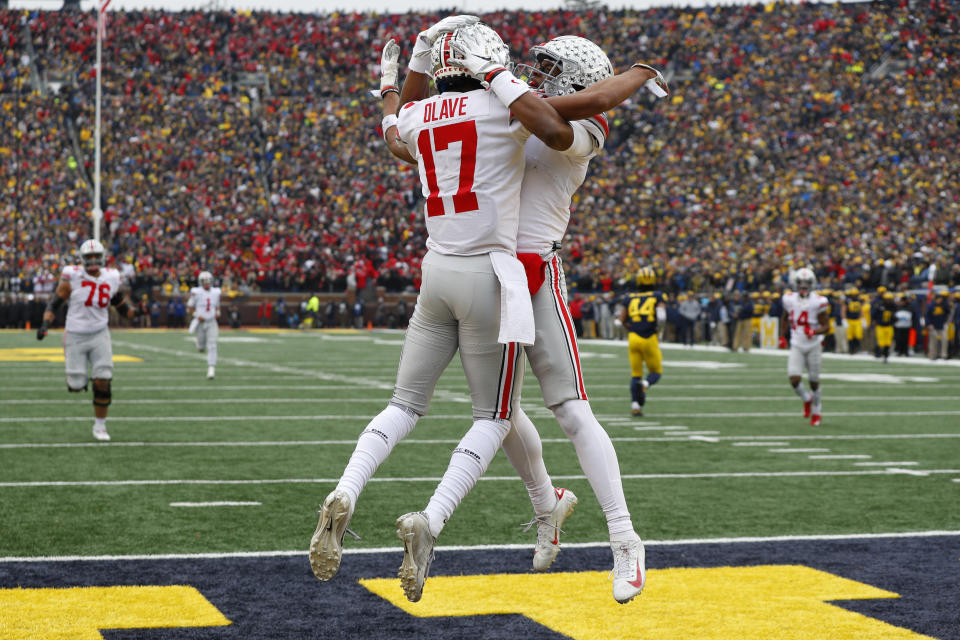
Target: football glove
[389, 66]
[656, 85]
[468, 50]
[420, 58]
[42, 331]
[808, 331]
[447, 25]
[783, 342]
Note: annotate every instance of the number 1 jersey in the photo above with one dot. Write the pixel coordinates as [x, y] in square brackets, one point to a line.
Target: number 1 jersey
[470, 156]
[89, 309]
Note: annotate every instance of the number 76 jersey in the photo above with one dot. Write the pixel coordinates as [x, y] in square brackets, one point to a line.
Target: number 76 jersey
[470, 155]
[801, 313]
[89, 310]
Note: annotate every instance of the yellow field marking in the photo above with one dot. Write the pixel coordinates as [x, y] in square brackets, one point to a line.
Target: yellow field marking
[53, 354]
[79, 613]
[729, 603]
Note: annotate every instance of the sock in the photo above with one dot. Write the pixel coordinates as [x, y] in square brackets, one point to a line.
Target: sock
[800, 391]
[598, 459]
[100, 423]
[468, 462]
[373, 446]
[816, 402]
[652, 379]
[525, 452]
[636, 390]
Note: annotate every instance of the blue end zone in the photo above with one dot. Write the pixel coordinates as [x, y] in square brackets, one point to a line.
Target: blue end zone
[278, 597]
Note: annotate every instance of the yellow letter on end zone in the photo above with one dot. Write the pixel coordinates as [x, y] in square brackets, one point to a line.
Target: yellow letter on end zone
[727, 603]
[79, 613]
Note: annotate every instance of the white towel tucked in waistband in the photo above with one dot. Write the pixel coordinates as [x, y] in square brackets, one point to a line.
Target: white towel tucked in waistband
[516, 309]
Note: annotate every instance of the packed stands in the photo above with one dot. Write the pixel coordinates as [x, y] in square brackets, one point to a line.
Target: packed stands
[247, 144]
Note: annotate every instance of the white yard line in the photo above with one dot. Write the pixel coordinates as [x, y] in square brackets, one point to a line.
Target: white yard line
[645, 476]
[886, 464]
[852, 456]
[220, 503]
[797, 450]
[486, 547]
[761, 444]
[677, 435]
[359, 381]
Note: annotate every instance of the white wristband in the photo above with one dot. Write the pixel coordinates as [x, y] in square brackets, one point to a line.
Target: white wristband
[654, 88]
[507, 88]
[389, 120]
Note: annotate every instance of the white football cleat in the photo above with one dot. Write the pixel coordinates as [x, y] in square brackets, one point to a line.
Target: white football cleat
[326, 546]
[548, 530]
[414, 530]
[629, 570]
[100, 433]
[210, 373]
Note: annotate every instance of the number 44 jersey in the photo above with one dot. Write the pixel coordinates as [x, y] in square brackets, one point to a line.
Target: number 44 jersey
[802, 313]
[89, 310]
[470, 155]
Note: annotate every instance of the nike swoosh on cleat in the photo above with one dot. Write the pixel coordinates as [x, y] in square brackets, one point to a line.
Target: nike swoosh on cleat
[638, 583]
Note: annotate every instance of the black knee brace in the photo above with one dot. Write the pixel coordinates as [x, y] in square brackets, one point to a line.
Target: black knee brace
[101, 396]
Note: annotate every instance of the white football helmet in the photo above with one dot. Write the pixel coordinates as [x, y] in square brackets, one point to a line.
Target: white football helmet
[804, 279]
[205, 279]
[440, 52]
[565, 65]
[91, 253]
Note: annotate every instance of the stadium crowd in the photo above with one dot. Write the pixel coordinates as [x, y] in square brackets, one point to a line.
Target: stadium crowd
[246, 144]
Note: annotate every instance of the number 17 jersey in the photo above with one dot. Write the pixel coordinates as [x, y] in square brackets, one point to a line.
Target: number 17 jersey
[470, 156]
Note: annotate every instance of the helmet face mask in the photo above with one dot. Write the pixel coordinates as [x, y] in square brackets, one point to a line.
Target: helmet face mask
[92, 255]
[205, 279]
[565, 65]
[804, 280]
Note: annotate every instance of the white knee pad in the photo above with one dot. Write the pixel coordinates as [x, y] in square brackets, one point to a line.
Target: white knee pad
[76, 382]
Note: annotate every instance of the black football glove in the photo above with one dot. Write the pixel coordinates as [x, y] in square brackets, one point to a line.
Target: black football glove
[42, 331]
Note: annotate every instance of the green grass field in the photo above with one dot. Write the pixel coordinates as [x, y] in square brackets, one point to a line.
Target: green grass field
[722, 452]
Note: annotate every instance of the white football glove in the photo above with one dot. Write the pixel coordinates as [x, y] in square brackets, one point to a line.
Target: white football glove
[656, 85]
[447, 25]
[389, 66]
[469, 49]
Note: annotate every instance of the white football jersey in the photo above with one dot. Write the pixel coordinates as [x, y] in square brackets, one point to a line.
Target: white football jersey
[89, 310]
[802, 312]
[470, 157]
[549, 181]
[205, 302]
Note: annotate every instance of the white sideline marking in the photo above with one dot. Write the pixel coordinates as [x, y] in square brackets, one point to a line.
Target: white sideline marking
[761, 444]
[797, 450]
[222, 503]
[885, 464]
[853, 456]
[639, 476]
[485, 547]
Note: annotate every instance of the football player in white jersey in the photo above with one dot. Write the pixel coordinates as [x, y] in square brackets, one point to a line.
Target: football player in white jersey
[805, 316]
[565, 67]
[551, 506]
[204, 304]
[468, 145]
[89, 290]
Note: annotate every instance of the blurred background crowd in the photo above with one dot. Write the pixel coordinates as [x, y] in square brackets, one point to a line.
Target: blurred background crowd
[247, 144]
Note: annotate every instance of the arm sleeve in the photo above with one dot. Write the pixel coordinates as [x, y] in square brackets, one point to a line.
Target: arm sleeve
[584, 144]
